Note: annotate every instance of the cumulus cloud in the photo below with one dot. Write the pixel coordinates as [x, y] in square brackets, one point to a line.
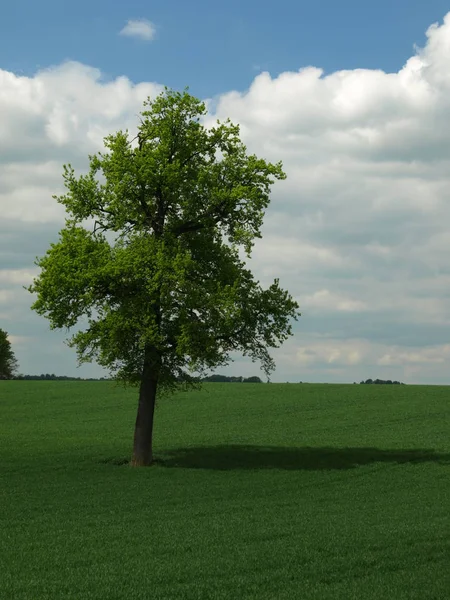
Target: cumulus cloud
[58, 116]
[139, 28]
[358, 232]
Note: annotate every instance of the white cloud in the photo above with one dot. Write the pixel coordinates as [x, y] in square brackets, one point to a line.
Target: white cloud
[139, 28]
[329, 301]
[20, 340]
[433, 355]
[19, 276]
[58, 116]
[357, 359]
[322, 352]
[5, 296]
[358, 232]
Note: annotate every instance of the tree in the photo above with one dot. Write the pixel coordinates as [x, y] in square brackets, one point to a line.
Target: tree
[8, 361]
[169, 296]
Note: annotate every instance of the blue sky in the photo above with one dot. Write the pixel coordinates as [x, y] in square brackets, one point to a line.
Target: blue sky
[215, 46]
[353, 97]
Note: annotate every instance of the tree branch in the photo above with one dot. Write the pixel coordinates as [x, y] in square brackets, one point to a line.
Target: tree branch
[145, 208]
[228, 338]
[191, 225]
[98, 226]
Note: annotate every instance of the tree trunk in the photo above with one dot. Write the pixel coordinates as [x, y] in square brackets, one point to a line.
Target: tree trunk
[143, 432]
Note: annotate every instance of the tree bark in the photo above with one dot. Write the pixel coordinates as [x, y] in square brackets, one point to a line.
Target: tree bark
[143, 431]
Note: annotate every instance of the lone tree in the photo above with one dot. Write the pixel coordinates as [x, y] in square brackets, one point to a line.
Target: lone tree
[166, 295]
[8, 362]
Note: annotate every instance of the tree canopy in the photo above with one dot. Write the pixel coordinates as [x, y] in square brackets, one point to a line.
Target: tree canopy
[8, 361]
[158, 275]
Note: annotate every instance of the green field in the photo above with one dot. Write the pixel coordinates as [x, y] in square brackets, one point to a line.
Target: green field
[266, 492]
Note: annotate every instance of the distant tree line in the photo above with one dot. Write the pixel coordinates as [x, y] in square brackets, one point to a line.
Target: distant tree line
[225, 379]
[209, 379]
[382, 381]
[53, 377]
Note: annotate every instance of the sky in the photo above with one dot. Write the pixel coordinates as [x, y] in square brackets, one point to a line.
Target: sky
[353, 97]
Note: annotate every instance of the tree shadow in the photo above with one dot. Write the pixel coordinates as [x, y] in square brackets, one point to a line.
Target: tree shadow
[237, 457]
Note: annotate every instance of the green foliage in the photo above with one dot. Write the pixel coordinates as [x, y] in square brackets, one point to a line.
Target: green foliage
[270, 492]
[8, 361]
[171, 288]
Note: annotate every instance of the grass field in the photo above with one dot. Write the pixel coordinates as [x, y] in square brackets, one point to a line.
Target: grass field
[264, 492]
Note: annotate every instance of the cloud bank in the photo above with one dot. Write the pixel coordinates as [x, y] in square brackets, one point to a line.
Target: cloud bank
[358, 232]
